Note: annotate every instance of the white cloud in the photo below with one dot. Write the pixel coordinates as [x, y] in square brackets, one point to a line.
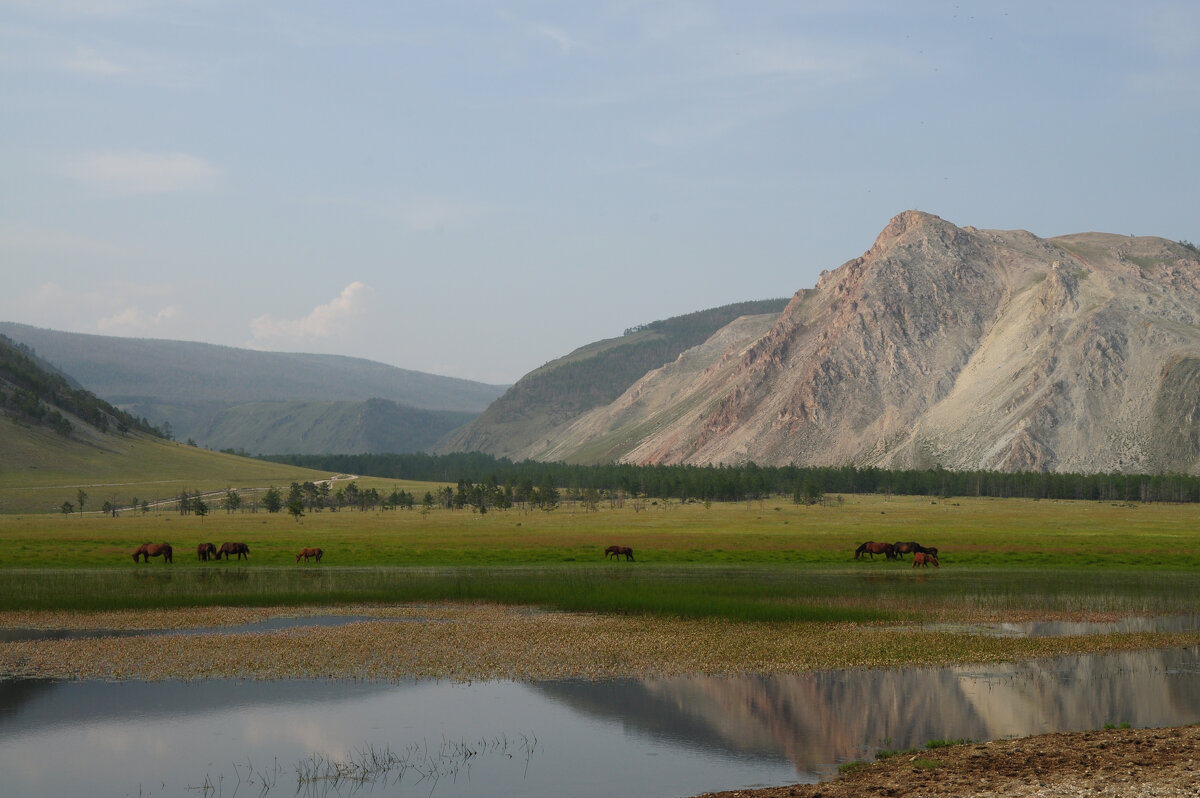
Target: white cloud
[131, 309]
[336, 320]
[135, 321]
[133, 173]
[87, 61]
[556, 35]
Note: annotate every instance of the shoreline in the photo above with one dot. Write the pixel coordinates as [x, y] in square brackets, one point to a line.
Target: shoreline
[485, 641]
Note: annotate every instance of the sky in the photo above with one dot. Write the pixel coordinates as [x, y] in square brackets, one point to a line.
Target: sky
[473, 189]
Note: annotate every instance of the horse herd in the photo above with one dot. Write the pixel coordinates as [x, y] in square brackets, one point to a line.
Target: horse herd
[207, 551]
[922, 555]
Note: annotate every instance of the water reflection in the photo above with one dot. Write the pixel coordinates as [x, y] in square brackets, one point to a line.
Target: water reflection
[275, 624]
[653, 737]
[1168, 624]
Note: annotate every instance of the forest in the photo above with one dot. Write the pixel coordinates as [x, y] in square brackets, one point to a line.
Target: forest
[750, 482]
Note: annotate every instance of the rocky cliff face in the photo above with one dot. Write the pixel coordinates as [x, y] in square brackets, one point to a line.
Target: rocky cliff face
[941, 345]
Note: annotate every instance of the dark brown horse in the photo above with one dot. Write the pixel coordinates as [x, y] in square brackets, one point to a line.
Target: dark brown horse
[306, 553]
[908, 547]
[149, 550]
[871, 547]
[617, 551]
[922, 559]
[206, 551]
[240, 549]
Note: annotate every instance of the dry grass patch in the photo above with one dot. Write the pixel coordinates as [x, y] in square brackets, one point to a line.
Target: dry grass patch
[468, 642]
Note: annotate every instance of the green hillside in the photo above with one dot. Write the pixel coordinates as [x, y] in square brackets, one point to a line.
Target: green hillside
[57, 440]
[40, 469]
[373, 426]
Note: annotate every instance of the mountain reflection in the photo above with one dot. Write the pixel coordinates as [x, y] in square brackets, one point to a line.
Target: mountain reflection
[819, 719]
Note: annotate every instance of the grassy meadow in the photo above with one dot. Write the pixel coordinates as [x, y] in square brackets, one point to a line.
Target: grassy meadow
[39, 470]
[763, 560]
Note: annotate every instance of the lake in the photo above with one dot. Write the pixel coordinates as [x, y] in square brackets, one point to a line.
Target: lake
[651, 737]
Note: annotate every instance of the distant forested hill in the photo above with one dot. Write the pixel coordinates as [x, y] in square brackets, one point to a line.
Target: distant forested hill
[127, 369]
[32, 393]
[376, 425]
[227, 398]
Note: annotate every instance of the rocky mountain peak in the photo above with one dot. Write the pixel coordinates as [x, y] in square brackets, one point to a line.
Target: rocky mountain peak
[941, 345]
[910, 222]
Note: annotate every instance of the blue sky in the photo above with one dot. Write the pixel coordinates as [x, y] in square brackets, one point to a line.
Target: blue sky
[473, 189]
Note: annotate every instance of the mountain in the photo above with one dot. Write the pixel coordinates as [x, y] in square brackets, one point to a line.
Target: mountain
[939, 346]
[34, 395]
[58, 441]
[224, 397]
[534, 413]
[371, 426]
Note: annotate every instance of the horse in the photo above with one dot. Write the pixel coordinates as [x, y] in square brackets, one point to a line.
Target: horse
[929, 550]
[616, 551]
[206, 551]
[240, 549]
[922, 559]
[149, 550]
[873, 548]
[907, 547]
[306, 553]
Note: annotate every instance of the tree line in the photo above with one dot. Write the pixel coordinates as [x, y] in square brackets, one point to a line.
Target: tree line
[751, 481]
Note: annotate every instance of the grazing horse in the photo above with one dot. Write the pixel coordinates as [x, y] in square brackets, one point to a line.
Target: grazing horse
[616, 551]
[206, 551]
[922, 559]
[929, 550]
[240, 549]
[907, 547]
[306, 553]
[149, 550]
[873, 548]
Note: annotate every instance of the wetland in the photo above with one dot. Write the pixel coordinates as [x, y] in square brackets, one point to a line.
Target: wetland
[502, 655]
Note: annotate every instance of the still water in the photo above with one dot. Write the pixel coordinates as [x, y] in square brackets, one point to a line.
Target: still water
[653, 737]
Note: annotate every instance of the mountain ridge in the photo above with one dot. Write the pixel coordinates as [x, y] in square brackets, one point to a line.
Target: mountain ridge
[223, 397]
[939, 346]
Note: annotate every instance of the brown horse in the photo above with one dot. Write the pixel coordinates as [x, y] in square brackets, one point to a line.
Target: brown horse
[206, 551]
[240, 549]
[922, 559]
[617, 551]
[306, 553]
[149, 550]
[908, 547]
[871, 547]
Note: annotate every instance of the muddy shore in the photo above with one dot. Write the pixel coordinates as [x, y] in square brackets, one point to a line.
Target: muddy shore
[1112, 762]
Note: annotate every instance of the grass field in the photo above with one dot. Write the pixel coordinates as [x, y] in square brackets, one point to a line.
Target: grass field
[770, 560]
[39, 470]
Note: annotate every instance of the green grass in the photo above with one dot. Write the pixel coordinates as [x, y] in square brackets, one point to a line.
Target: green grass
[574, 589]
[770, 561]
[40, 470]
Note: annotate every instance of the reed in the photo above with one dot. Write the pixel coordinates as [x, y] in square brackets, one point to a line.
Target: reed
[761, 593]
